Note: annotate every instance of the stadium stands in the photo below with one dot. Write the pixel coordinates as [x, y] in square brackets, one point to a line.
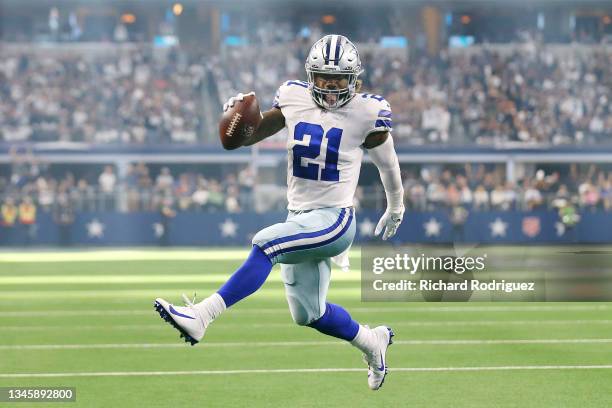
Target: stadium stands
[525, 96]
[427, 187]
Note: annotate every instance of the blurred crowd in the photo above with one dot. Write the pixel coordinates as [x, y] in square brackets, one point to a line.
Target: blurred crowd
[138, 188]
[534, 96]
[526, 95]
[129, 97]
[476, 188]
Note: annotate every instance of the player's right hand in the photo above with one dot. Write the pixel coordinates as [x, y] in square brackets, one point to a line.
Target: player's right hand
[231, 101]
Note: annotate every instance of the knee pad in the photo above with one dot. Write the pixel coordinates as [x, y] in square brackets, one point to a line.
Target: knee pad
[301, 314]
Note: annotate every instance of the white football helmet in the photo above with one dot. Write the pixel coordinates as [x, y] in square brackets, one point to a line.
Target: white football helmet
[332, 66]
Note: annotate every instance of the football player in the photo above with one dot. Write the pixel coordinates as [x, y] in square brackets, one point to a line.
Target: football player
[330, 125]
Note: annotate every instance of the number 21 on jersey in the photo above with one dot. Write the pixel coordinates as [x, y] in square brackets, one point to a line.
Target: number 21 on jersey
[313, 150]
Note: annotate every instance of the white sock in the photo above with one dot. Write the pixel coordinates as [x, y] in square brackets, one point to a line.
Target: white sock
[211, 307]
[365, 339]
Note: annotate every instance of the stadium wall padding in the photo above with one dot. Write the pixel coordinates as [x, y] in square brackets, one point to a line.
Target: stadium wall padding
[223, 229]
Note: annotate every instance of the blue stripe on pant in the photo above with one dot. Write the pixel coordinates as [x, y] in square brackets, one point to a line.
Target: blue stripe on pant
[303, 235]
[303, 245]
[317, 234]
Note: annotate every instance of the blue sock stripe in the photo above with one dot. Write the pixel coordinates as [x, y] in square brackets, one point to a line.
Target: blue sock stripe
[305, 234]
[316, 244]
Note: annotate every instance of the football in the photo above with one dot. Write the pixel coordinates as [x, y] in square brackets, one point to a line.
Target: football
[239, 122]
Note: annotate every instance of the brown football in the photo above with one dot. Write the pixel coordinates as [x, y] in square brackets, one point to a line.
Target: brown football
[239, 122]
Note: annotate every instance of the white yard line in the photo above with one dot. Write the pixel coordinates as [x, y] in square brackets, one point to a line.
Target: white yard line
[407, 309]
[247, 344]
[432, 323]
[298, 370]
[52, 313]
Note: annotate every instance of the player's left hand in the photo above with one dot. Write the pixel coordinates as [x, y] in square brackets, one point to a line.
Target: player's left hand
[390, 221]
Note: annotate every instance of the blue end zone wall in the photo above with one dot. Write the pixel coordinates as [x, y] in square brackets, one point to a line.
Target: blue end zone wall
[220, 229]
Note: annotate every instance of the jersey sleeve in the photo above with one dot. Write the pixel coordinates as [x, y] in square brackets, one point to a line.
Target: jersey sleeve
[276, 103]
[287, 92]
[379, 115]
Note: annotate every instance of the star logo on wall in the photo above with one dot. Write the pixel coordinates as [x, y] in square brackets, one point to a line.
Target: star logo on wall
[95, 229]
[228, 228]
[158, 229]
[498, 228]
[432, 228]
[366, 228]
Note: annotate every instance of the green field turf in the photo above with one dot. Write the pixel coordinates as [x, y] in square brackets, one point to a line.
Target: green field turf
[85, 319]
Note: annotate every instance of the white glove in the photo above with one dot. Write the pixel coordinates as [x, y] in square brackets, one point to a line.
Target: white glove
[231, 101]
[390, 221]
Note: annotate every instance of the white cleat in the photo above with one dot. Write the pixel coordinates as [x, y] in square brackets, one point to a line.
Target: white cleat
[185, 319]
[376, 360]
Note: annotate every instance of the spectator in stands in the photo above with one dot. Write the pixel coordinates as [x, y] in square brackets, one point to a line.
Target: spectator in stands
[453, 196]
[27, 219]
[64, 216]
[46, 192]
[417, 197]
[510, 195]
[436, 122]
[200, 195]
[436, 193]
[130, 183]
[589, 195]
[502, 197]
[216, 198]
[164, 180]
[107, 182]
[532, 197]
[481, 198]
[167, 213]
[246, 179]
[606, 193]
[9, 213]
[83, 196]
[466, 197]
[232, 203]
[562, 193]
[184, 191]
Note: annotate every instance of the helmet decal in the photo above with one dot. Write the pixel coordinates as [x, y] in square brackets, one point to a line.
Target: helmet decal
[333, 50]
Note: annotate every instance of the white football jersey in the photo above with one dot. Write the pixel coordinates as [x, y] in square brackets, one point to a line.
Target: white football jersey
[324, 146]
